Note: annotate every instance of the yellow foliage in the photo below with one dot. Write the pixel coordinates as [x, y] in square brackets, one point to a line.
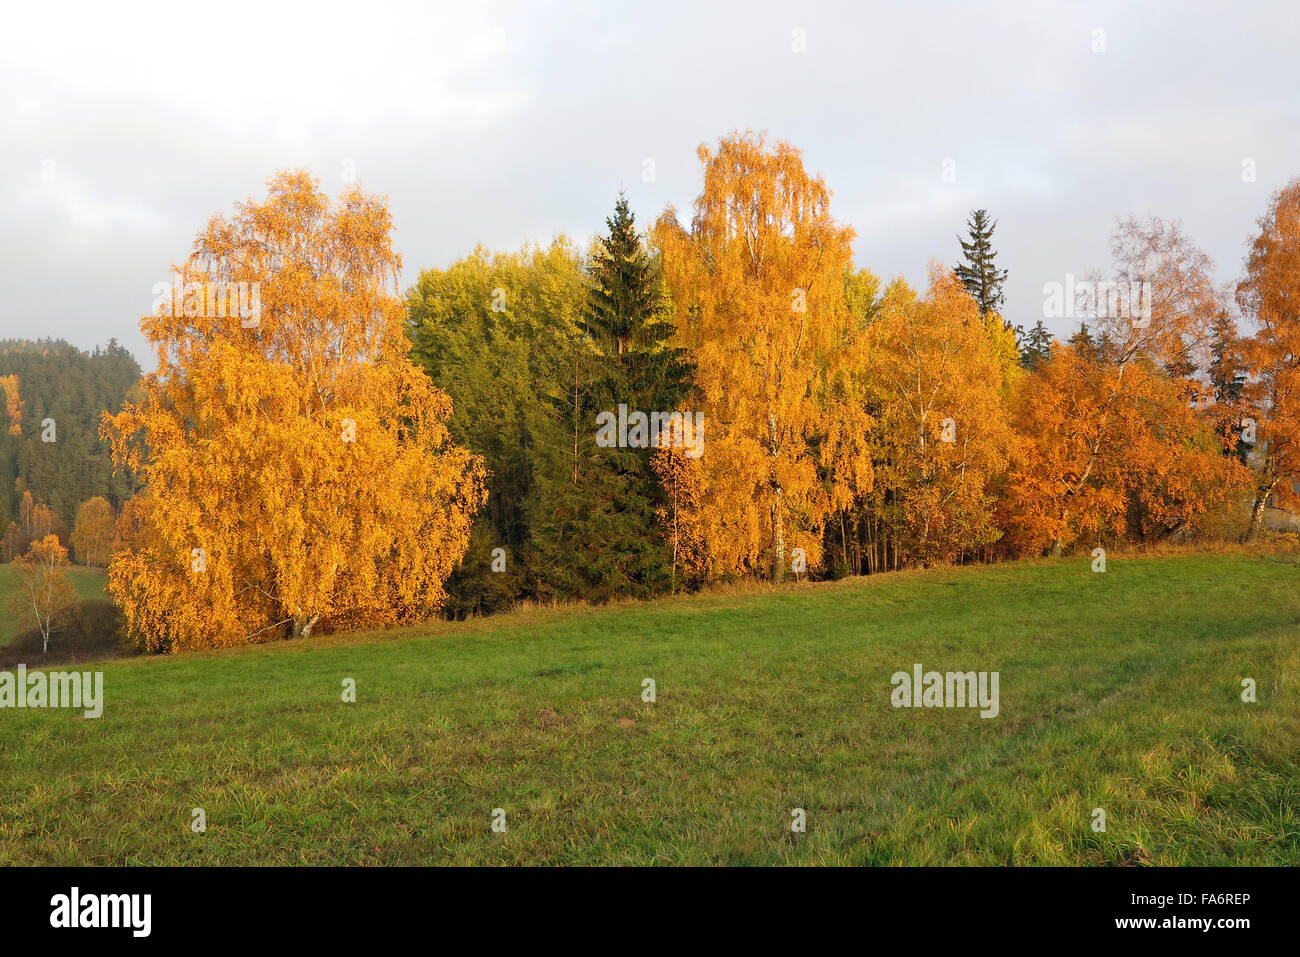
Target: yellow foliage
[92, 534]
[43, 587]
[1006, 350]
[758, 286]
[13, 403]
[297, 465]
[942, 429]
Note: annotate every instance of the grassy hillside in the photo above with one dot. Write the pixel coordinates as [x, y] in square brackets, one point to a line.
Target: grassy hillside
[88, 582]
[1118, 690]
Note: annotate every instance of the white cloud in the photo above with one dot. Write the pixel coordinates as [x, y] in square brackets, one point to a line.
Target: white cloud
[502, 123]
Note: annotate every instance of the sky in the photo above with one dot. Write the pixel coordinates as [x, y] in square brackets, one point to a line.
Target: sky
[124, 127]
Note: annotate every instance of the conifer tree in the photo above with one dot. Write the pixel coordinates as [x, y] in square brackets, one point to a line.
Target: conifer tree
[595, 529]
[1037, 346]
[1225, 370]
[628, 325]
[1083, 342]
[978, 273]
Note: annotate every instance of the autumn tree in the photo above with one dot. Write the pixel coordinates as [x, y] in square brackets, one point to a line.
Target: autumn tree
[43, 588]
[1161, 300]
[1005, 343]
[941, 431]
[681, 477]
[1113, 439]
[9, 546]
[1269, 293]
[757, 287]
[45, 522]
[92, 533]
[35, 521]
[13, 404]
[851, 389]
[297, 467]
[11, 432]
[27, 512]
[1108, 451]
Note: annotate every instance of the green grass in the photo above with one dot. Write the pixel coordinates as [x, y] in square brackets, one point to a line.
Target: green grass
[1118, 690]
[87, 582]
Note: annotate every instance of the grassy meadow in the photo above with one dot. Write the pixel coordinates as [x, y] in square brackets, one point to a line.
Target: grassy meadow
[1119, 690]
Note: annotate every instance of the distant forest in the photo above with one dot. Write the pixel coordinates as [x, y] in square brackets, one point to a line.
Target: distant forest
[63, 463]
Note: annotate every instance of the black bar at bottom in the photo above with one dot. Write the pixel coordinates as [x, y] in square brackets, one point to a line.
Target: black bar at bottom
[633, 907]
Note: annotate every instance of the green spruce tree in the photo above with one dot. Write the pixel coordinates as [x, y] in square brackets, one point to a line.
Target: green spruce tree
[596, 534]
[978, 272]
[1036, 347]
[1226, 377]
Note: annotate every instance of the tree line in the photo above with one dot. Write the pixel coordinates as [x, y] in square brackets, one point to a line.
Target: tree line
[853, 426]
[719, 395]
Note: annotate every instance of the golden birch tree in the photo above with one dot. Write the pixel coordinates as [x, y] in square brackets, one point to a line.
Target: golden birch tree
[43, 588]
[297, 467]
[942, 429]
[757, 286]
[92, 533]
[1269, 293]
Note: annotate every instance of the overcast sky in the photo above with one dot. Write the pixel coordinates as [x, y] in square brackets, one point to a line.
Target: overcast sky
[124, 127]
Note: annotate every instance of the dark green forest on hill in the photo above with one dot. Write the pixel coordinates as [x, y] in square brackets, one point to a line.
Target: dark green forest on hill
[49, 379]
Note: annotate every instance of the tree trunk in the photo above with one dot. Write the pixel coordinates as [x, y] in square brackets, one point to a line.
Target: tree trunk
[302, 625]
[1257, 511]
[844, 543]
[778, 538]
[778, 520]
[676, 540]
[576, 387]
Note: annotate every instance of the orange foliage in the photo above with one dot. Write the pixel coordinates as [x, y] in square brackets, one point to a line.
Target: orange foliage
[43, 587]
[1270, 293]
[297, 466]
[757, 285]
[943, 434]
[1107, 448]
